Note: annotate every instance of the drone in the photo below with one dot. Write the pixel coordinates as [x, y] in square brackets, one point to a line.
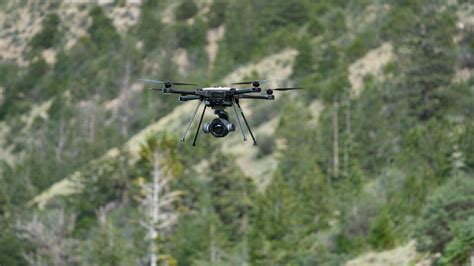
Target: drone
[218, 98]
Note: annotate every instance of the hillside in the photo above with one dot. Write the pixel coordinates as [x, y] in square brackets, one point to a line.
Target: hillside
[371, 164]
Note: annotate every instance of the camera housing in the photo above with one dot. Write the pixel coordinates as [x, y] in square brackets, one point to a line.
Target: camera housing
[219, 127]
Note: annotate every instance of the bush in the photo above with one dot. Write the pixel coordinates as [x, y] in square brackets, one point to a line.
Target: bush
[48, 35]
[191, 35]
[217, 13]
[452, 203]
[187, 9]
[102, 31]
[266, 145]
[457, 252]
[315, 27]
[382, 232]
[336, 24]
[304, 61]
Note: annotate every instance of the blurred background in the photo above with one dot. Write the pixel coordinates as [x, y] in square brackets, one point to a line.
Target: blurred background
[371, 164]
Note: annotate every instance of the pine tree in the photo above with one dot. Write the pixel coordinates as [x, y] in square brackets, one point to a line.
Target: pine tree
[429, 60]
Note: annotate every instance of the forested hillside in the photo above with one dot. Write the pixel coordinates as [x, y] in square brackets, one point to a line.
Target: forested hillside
[371, 164]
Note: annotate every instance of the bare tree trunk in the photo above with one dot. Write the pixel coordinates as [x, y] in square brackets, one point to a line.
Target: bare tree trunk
[61, 142]
[335, 139]
[213, 247]
[125, 105]
[159, 206]
[348, 137]
[155, 210]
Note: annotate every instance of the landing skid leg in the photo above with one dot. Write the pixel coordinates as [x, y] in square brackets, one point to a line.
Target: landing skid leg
[240, 124]
[199, 126]
[191, 122]
[246, 123]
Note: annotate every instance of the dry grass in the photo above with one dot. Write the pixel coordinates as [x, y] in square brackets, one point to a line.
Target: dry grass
[403, 255]
[372, 63]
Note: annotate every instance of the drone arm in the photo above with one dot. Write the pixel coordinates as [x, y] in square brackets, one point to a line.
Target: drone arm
[259, 97]
[182, 92]
[243, 91]
[189, 98]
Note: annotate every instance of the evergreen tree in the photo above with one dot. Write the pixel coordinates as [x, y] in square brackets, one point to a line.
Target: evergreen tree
[231, 194]
[450, 204]
[430, 60]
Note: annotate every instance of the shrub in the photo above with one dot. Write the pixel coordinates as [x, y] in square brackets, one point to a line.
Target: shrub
[191, 35]
[217, 13]
[382, 232]
[336, 24]
[315, 27]
[187, 9]
[457, 252]
[102, 31]
[49, 33]
[266, 145]
[452, 203]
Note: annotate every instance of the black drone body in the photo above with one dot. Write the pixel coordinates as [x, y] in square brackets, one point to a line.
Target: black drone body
[218, 99]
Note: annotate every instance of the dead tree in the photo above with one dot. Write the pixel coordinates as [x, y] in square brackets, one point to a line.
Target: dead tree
[335, 124]
[50, 234]
[159, 202]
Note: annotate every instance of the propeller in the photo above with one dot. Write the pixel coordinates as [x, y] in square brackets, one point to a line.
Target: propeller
[167, 83]
[270, 91]
[287, 89]
[255, 83]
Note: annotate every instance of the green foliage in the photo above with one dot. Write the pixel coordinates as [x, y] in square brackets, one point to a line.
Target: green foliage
[360, 46]
[315, 26]
[304, 61]
[187, 9]
[450, 204]
[189, 245]
[266, 145]
[107, 245]
[429, 65]
[165, 145]
[231, 195]
[217, 13]
[149, 27]
[11, 249]
[336, 24]
[459, 250]
[101, 185]
[188, 36]
[382, 232]
[102, 32]
[49, 34]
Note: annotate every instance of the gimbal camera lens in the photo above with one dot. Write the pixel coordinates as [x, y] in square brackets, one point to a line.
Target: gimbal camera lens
[219, 127]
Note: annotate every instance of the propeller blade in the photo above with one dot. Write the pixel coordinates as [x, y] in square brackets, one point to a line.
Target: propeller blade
[287, 89]
[184, 83]
[156, 89]
[153, 81]
[167, 82]
[242, 83]
[251, 82]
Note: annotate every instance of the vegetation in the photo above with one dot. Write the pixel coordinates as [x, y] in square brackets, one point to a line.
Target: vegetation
[367, 171]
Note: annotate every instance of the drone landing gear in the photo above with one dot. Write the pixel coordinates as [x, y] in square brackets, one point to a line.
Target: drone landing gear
[191, 121]
[240, 124]
[202, 116]
[199, 126]
[246, 123]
